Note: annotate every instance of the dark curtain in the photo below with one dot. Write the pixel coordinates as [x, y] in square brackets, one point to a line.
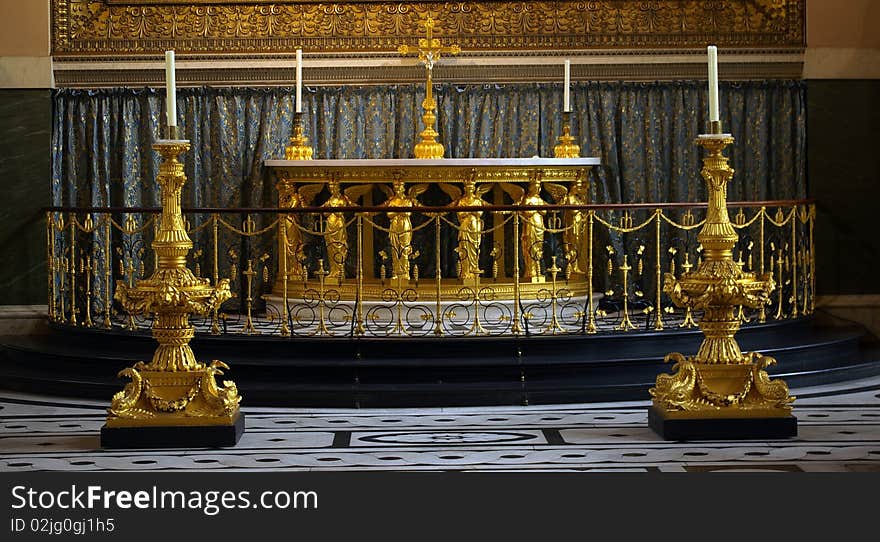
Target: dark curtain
[642, 132]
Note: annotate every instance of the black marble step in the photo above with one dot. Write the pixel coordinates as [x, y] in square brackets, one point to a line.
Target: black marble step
[429, 371]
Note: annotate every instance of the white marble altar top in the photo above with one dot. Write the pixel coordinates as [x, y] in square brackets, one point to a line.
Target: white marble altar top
[447, 162]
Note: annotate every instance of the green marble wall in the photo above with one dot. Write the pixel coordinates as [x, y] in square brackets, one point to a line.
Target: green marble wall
[25, 143]
[843, 174]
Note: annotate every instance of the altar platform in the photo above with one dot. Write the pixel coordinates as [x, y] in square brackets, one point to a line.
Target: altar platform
[362, 372]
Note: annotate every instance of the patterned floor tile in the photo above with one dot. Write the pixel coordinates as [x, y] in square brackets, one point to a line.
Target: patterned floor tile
[838, 430]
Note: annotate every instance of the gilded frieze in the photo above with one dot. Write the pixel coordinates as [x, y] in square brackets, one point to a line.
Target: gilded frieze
[137, 27]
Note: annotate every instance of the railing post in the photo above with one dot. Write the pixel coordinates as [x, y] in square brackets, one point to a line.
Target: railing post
[658, 320]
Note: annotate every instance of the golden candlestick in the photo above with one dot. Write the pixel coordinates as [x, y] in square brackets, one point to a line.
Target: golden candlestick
[720, 392]
[429, 51]
[566, 148]
[299, 148]
[173, 400]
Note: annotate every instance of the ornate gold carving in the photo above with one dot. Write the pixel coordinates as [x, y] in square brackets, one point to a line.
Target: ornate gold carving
[173, 389]
[155, 398]
[719, 381]
[299, 148]
[448, 290]
[97, 27]
[771, 8]
[321, 171]
[566, 148]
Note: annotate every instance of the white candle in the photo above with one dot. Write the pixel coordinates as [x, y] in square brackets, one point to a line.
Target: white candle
[713, 84]
[299, 76]
[170, 89]
[566, 92]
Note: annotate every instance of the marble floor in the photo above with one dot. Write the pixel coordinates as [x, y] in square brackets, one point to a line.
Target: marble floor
[838, 431]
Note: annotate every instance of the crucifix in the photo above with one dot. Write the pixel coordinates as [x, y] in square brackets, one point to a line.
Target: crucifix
[429, 51]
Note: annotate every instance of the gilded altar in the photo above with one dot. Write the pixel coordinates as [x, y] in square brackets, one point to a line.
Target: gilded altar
[461, 251]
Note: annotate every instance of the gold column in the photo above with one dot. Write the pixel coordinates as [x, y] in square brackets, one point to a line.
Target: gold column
[173, 400]
[720, 392]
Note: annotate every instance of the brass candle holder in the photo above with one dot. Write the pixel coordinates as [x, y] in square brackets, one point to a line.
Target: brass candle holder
[720, 392]
[566, 148]
[173, 400]
[299, 148]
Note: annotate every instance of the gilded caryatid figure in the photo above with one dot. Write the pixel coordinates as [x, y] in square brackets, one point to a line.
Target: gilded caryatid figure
[470, 224]
[290, 236]
[335, 232]
[532, 239]
[400, 225]
[575, 220]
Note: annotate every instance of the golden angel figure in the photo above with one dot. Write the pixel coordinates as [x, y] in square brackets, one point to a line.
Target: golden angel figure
[290, 236]
[335, 234]
[400, 225]
[470, 224]
[575, 220]
[532, 239]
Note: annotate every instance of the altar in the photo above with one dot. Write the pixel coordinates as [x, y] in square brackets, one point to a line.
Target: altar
[411, 246]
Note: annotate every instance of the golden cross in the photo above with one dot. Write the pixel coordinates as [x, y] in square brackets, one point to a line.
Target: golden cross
[429, 51]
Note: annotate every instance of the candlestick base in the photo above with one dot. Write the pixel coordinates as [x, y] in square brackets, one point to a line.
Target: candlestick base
[299, 148]
[566, 148]
[174, 436]
[670, 425]
[429, 148]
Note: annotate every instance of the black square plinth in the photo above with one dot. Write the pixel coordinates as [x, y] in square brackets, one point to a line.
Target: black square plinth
[721, 428]
[177, 436]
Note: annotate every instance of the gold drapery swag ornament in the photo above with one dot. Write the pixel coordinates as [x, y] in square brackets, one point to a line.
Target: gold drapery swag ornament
[173, 400]
[720, 392]
[429, 51]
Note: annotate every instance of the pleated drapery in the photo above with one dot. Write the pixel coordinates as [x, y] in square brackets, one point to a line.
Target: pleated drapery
[642, 132]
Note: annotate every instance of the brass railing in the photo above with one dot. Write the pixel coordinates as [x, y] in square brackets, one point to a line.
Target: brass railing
[610, 283]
